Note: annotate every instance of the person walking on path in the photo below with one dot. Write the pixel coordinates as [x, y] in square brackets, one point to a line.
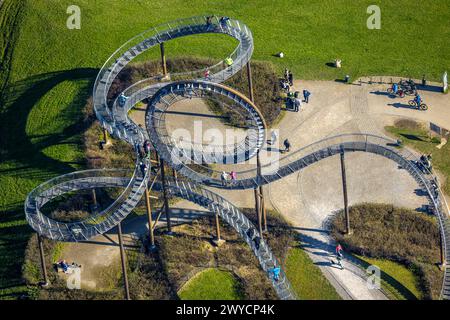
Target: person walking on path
[224, 178]
[276, 273]
[287, 145]
[306, 95]
[207, 75]
[339, 255]
[233, 176]
[273, 138]
[143, 168]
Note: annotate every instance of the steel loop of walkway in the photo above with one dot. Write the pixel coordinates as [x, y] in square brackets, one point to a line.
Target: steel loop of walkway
[162, 93]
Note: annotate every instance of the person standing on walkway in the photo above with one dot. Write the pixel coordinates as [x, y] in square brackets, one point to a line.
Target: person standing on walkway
[286, 75]
[306, 95]
[297, 104]
[287, 145]
[291, 79]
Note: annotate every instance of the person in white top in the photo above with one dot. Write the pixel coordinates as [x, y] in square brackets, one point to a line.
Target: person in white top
[274, 137]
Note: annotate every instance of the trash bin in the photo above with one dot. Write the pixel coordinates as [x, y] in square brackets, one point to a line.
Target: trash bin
[347, 79]
[424, 81]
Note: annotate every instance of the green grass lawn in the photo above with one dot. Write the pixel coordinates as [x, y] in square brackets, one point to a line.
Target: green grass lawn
[306, 279]
[212, 284]
[418, 138]
[48, 71]
[398, 281]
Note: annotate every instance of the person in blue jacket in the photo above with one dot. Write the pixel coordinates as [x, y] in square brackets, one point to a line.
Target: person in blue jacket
[418, 100]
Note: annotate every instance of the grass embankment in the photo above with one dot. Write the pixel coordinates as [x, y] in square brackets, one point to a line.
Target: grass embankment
[212, 284]
[403, 236]
[400, 282]
[306, 279]
[417, 136]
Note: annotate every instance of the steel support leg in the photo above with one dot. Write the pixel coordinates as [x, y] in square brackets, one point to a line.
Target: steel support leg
[250, 81]
[263, 207]
[174, 174]
[43, 267]
[441, 246]
[163, 58]
[94, 197]
[150, 219]
[124, 262]
[344, 187]
[217, 227]
[166, 201]
[105, 136]
[258, 211]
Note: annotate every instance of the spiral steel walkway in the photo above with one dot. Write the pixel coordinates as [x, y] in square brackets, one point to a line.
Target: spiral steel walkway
[162, 92]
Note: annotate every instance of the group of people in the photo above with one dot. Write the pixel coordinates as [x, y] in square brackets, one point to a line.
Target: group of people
[293, 99]
[143, 152]
[396, 90]
[225, 177]
[223, 21]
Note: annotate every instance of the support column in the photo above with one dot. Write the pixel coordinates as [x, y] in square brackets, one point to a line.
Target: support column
[105, 136]
[258, 211]
[163, 59]
[217, 227]
[263, 208]
[344, 187]
[166, 201]
[43, 267]
[174, 174]
[218, 241]
[260, 204]
[124, 262]
[150, 219]
[94, 197]
[441, 246]
[250, 82]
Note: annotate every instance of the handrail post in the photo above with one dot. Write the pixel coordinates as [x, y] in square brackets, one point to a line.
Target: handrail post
[42, 258]
[124, 262]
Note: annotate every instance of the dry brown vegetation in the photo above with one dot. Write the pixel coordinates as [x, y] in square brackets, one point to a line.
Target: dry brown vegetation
[402, 235]
[190, 250]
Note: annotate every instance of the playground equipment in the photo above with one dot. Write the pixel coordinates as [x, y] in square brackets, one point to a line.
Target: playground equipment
[162, 92]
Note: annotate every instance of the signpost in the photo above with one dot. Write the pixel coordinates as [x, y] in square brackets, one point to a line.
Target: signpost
[445, 82]
[435, 128]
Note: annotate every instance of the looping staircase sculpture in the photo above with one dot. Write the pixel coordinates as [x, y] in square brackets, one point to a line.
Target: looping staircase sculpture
[162, 92]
